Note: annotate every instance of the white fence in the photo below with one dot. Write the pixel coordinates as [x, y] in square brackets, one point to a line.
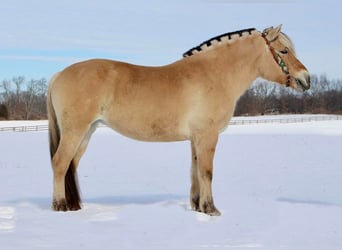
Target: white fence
[283, 119]
[24, 128]
[234, 121]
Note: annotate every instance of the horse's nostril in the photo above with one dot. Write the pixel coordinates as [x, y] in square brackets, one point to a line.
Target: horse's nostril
[308, 79]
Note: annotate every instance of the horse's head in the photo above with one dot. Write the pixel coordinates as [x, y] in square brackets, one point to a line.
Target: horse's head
[283, 66]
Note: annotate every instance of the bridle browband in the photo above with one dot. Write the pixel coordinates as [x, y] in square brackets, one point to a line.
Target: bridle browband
[279, 60]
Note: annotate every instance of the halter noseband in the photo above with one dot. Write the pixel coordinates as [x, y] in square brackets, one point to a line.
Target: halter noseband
[278, 58]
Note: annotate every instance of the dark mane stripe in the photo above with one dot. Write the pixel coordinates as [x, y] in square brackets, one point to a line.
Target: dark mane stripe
[198, 48]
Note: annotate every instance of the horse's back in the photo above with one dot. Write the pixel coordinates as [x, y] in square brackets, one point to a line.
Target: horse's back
[145, 103]
[87, 74]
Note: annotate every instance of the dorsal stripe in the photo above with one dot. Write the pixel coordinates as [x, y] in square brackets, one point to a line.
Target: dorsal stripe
[208, 43]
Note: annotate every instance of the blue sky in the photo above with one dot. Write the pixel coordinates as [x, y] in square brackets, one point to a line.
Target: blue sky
[41, 37]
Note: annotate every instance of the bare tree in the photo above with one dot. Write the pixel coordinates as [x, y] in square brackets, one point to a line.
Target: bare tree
[18, 82]
[42, 88]
[265, 93]
[6, 87]
[29, 97]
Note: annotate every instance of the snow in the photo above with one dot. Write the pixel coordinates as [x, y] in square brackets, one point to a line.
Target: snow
[277, 185]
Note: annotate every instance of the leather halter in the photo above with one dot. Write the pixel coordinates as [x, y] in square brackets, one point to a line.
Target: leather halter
[279, 60]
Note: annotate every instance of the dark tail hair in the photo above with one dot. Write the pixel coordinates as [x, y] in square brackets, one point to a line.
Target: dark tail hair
[73, 199]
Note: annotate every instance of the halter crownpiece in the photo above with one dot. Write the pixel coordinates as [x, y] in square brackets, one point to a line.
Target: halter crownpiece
[279, 60]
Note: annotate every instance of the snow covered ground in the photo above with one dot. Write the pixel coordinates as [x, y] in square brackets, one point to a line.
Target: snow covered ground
[278, 186]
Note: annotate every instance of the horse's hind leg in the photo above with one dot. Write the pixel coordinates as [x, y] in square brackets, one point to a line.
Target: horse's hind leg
[63, 171]
[205, 149]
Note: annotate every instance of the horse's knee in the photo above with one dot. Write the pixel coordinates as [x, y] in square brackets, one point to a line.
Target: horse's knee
[208, 174]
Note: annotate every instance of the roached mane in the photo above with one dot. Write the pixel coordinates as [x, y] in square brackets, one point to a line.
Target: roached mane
[217, 40]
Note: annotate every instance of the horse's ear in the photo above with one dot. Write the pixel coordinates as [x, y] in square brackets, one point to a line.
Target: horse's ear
[272, 33]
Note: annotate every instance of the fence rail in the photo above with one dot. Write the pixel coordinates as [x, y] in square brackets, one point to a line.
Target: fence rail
[234, 121]
[283, 119]
[25, 128]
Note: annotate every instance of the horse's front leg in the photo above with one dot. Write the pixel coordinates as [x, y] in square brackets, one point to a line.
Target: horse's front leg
[195, 189]
[205, 149]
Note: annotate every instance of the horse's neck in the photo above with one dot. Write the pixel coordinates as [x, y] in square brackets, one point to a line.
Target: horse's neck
[239, 63]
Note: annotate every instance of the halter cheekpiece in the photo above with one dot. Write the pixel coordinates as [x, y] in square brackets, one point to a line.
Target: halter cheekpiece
[279, 60]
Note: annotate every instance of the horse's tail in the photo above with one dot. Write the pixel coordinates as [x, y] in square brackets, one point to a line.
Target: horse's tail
[72, 195]
[54, 133]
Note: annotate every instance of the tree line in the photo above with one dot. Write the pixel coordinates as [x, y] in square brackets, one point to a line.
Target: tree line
[22, 99]
[323, 97]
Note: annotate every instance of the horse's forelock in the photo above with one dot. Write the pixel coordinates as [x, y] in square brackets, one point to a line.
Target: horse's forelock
[287, 42]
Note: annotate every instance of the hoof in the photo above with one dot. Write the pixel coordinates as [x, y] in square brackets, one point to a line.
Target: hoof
[207, 207]
[59, 205]
[62, 205]
[194, 203]
[210, 209]
[213, 213]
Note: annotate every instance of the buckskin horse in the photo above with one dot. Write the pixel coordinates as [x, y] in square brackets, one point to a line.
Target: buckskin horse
[191, 99]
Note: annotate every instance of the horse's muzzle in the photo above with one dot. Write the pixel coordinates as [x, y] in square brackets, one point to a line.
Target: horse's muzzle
[303, 80]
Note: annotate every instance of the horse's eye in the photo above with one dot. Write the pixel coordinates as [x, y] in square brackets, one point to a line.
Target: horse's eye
[284, 51]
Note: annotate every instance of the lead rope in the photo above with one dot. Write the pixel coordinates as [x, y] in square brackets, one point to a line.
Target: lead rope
[278, 59]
